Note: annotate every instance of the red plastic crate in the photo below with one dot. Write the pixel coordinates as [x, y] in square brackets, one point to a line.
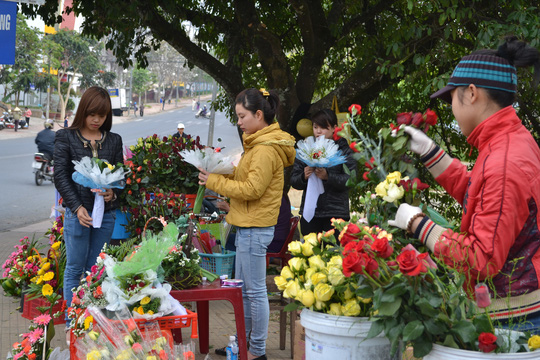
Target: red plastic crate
[166, 324]
[30, 309]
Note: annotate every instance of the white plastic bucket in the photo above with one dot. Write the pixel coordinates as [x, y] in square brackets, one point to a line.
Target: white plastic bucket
[445, 353]
[505, 337]
[342, 338]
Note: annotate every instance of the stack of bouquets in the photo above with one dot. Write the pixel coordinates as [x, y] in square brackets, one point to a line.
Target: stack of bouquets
[21, 266]
[132, 282]
[120, 338]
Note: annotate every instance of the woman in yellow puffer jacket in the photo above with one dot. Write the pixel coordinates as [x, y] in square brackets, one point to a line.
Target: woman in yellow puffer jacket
[255, 190]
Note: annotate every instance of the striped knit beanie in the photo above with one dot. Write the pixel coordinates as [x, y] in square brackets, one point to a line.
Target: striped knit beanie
[486, 71]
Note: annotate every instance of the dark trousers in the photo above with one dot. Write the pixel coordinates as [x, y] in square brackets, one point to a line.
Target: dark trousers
[16, 124]
[27, 121]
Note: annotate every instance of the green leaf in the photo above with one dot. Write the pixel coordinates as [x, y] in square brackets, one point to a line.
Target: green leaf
[376, 328]
[389, 308]
[449, 341]
[465, 330]
[413, 330]
[422, 346]
[426, 308]
[435, 327]
[291, 306]
[400, 143]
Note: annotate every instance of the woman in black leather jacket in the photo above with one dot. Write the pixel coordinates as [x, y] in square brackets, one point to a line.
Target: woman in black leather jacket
[89, 135]
[334, 202]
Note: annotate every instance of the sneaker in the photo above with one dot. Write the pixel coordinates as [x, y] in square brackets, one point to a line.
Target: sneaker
[221, 351]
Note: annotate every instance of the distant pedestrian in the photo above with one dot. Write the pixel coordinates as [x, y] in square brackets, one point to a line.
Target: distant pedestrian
[16, 117]
[27, 114]
[198, 105]
[141, 111]
[180, 132]
[66, 124]
[193, 104]
[162, 101]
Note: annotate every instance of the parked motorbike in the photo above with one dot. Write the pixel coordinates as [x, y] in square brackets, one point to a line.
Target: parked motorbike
[43, 168]
[203, 113]
[9, 122]
[2, 123]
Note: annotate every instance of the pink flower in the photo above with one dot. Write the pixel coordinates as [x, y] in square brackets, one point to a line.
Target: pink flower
[137, 347]
[42, 319]
[35, 335]
[483, 298]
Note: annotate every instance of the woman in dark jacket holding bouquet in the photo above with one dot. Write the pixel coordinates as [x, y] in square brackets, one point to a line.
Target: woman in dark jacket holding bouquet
[334, 202]
[88, 136]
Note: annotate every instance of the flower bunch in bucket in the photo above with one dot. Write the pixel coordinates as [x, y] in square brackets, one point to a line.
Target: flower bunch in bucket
[21, 266]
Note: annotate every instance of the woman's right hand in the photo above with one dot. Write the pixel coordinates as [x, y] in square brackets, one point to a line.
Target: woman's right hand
[308, 170]
[84, 219]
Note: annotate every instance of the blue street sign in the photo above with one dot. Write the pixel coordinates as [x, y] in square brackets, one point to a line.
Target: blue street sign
[8, 22]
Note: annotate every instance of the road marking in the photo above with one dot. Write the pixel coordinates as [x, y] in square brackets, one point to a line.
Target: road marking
[16, 156]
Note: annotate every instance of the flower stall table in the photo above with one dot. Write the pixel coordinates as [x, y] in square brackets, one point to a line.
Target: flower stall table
[202, 294]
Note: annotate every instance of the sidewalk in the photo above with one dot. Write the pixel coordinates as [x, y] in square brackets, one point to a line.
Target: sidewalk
[222, 324]
[36, 124]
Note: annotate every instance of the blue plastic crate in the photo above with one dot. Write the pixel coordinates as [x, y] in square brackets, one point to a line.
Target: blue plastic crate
[219, 264]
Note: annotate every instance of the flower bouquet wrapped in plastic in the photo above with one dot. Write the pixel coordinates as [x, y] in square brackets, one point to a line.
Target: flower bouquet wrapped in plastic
[99, 175]
[319, 153]
[211, 161]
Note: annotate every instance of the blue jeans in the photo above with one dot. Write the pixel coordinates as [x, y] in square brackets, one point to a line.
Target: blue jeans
[83, 246]
[251, 245]
[529, 322]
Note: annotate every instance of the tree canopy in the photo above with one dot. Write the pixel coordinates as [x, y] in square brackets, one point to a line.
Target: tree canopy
[376, 53]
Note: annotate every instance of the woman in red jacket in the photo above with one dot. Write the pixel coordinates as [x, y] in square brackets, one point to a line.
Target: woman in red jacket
[499, 238]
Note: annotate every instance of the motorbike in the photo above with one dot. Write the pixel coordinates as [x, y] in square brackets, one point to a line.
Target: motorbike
[203, 113]
[9, 122]
[43, 168]
[2, 124]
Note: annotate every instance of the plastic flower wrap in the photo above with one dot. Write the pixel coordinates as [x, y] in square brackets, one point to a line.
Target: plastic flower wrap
[211, 161]
[99, 175]
[320, 153]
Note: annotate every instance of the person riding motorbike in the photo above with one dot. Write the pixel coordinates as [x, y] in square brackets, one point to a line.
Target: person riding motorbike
[203, 111]
[45, 140]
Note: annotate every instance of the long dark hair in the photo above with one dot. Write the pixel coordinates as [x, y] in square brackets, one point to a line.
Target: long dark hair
[325, 118]
[518, 54]
[254, 100]
[95, 100]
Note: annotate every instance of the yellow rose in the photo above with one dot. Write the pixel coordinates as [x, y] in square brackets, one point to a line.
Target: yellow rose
[319, 305]
[46, 266]
[94, 335]
[88, 321]
[335, 276]
[48, 276]
[140, 310]
[109, 166]
[297, 264]
[323, 292]
[348, 293]
[280, 282]
[145, 300]
[336, 261]
[150, 312]
[335, 309]
[394, 192]
[128, 340]
[295, 248]
[351, 308]
[394, 177]
[380, 190]
[534, 342]
[318, 277]
[312, 239]
[94, 355]
[364, 300]
[291, 289]
[307, 249]
[316, 262]
[287, 273]
[47, 290]
[56, 245]
[306, 297]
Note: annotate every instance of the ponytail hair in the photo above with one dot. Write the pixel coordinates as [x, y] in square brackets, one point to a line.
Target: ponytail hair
[255, 100]
[518, 54]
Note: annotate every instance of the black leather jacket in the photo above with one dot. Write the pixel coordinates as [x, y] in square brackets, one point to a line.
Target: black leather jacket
[334, 202]
[70, 145]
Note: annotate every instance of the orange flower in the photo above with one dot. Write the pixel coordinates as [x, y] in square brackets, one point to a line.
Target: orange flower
[32, 356]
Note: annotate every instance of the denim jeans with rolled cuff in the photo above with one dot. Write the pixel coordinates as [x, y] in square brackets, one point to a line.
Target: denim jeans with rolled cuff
[83, 246]
[529, 322]
[251, 244]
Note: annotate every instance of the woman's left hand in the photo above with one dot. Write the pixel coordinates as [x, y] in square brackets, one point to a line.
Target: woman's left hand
[108, 195]
[321, 173]
[203, 177]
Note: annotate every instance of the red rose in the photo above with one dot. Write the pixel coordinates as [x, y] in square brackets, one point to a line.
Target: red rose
[409, 263]
[357, 107]
[382, 247]
[404, 118]
[486, 342]
[365, 176]
[430, 117]
[350, 247]
[483, 298]
[417, 120]
[348, 234]
[336, 130]
[358, 263]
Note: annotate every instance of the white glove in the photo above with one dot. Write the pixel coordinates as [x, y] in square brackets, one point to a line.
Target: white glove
[420, 143]
[404, 215]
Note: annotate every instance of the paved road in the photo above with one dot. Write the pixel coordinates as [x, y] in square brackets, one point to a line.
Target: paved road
[23, 203]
